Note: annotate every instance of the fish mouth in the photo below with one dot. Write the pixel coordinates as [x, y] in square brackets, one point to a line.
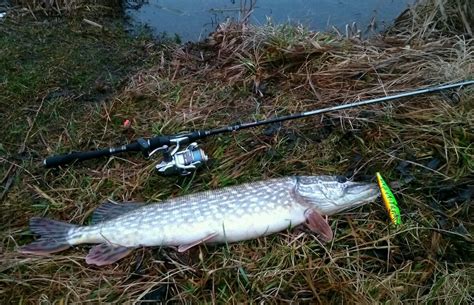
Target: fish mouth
[363, 191]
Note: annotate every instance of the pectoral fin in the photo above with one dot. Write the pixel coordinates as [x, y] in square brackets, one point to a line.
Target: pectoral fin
[316, 222]
[105, 254]
[183, 248]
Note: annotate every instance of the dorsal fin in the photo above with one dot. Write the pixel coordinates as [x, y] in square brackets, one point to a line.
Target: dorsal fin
[111, 210]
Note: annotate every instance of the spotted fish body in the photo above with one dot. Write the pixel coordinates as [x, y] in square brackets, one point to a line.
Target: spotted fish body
[226, 215]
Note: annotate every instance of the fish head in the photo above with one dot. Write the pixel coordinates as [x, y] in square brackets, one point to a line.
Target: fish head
[333, 194]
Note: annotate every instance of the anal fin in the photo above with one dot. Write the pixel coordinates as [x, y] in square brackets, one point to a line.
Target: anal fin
[318, 224]
[183, 248]
[105, 254]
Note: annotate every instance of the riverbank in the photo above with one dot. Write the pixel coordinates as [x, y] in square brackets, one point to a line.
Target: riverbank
[70, 84]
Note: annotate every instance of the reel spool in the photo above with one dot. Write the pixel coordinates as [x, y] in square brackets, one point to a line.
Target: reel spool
[182, 162]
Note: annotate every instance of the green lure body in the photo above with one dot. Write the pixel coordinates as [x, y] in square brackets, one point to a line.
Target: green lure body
[391, 203]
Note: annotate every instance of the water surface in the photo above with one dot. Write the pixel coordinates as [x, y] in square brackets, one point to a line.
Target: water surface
[194, 20]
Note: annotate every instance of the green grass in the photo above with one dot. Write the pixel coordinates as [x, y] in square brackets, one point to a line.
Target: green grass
[69, 86]
[57, 71]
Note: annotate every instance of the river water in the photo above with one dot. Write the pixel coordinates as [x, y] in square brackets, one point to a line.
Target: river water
[193, 20]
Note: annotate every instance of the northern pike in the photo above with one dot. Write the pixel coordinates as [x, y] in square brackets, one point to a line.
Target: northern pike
[229, 214]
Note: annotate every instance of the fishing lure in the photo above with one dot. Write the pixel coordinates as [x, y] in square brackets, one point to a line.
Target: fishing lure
[389, 199]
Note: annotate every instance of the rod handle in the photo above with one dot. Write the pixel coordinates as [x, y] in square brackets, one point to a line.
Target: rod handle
[58, 160]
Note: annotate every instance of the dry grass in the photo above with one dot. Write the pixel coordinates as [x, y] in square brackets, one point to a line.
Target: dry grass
[438, 17]
[243, 73]
[67, 7]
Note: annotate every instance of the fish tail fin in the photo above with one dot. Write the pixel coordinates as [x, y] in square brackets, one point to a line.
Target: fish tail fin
[54, 236]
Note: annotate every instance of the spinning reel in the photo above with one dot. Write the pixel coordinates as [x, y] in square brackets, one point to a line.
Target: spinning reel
[180, 162]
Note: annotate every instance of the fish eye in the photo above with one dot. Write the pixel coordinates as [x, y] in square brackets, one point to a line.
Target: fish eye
[341, 179]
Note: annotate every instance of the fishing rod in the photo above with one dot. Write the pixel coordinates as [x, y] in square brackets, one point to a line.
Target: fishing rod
[183, 161]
